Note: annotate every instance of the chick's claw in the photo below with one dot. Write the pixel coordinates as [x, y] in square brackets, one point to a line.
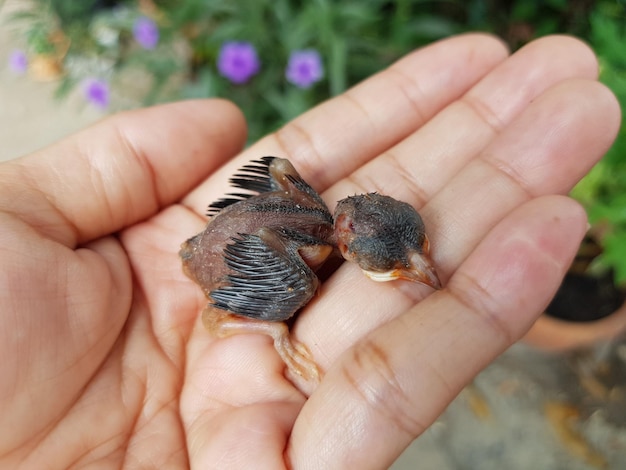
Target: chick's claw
[295, 355]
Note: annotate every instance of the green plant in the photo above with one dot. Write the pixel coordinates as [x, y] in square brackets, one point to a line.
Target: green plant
[354, 39]
[603, 191]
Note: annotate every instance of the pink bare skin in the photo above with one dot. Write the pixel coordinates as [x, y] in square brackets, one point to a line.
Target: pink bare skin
[105, 359]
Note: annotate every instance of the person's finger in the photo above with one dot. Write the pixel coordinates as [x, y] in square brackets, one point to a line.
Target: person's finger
[336, 137]
[553, 144]
[560, 135]
[121, 170]
[423, 163]
[390, 386]
[246, 436]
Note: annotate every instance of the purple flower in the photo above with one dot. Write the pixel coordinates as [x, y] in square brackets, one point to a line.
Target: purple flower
[146, 32]
[18, 62]
[304, 68]
[96, 91]
[238, 61]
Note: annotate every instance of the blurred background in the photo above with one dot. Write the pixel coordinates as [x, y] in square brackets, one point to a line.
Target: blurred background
[556, 402]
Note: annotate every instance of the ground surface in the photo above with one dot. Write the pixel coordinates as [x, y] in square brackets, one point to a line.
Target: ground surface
[526, 411]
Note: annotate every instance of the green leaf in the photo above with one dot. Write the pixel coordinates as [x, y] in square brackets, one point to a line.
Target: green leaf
[615, 254]
[337, 67]
[203, 87]
[433, 27]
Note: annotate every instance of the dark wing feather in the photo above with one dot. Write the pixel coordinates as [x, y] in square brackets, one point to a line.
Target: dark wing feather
[267, 284]
[303, 186]
[254, 176]
[218, 205]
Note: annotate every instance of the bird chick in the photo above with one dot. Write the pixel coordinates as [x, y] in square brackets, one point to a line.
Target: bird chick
[256, 259]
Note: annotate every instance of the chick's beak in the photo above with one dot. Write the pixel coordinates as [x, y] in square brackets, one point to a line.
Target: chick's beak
[420, 269]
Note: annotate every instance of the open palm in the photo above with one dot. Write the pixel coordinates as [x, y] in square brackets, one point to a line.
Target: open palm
[104, 359]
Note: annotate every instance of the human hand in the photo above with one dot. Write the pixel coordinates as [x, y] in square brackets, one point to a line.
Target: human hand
[105, 360]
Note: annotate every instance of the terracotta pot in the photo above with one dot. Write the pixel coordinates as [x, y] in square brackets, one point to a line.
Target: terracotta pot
[47, 67]
[586, 309]
[553, 334]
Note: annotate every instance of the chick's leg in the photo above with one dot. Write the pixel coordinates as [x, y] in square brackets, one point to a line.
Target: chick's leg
[295, 355]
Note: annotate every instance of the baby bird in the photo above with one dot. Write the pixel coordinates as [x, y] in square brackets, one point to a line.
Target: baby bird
[256, 259]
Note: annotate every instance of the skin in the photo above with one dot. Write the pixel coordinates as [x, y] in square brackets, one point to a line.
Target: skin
[109, 363]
